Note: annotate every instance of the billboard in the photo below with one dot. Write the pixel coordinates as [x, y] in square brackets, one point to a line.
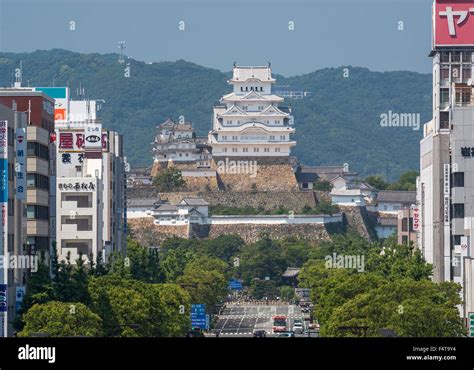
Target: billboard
[61, 101]
[74, 141]
[453, 23]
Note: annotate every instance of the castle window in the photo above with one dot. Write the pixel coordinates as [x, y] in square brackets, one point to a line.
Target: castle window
[241, 88]
[272, 137]
[282, 137]
[266, 150]
[277, 150]
[235, 150]
[224, 150]
[245, 150]
[255, 150]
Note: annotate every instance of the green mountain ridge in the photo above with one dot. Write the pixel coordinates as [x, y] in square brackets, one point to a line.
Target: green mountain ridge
[340, 123]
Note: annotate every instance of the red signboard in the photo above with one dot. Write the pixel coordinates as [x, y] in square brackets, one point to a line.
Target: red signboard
[453, 23]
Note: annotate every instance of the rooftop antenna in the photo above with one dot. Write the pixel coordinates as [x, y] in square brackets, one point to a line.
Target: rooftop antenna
[121, 46]
[80, 91]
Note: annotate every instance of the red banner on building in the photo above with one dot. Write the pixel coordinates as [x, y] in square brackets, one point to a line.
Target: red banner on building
[453, 23]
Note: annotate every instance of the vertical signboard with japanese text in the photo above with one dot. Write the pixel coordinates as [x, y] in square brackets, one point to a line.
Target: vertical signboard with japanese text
[3, 224]
[20, 165]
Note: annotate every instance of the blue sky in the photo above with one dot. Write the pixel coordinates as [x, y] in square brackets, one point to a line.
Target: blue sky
[219, 32]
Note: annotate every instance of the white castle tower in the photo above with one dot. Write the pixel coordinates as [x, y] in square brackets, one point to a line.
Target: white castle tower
[249, 121]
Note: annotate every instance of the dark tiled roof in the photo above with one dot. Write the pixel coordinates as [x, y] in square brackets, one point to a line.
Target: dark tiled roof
[195, 201]
[395, 196]
[306, 177]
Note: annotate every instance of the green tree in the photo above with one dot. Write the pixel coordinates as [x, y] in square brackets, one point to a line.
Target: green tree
[169, 180]
[262, 259]
[410, 308]
[406, 182]
[224, 247]
[322, 185]
[203, 286]
[60, 319]
[377, 181]
[287, 293]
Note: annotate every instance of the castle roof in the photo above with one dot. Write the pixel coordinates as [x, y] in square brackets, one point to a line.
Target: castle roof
[244, 73]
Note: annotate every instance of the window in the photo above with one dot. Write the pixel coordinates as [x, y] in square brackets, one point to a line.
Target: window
[445, 57]
[256, 150]
[466, 57]
[456, 56]
[282, 137]
[456, 262]
[458, 179]
[272, 137]
[229, 122]
[245, 150]
[405, 224]
[444, 120]
[35, 180]
[234, 150]
[445, 73]
[277, 150]
[444, 96]
[457, 239]
[34, 211]
[224, 150]
[266, 150]
[404, 239]
[11, 207]
[457, 210]
[260, 107]
[11, 136]
[410, 226]
[235, 138]
[456, 72]
[466, 73]
[35, 149]
[277, 122]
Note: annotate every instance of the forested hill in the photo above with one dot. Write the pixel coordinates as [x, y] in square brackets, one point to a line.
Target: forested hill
[340, 123]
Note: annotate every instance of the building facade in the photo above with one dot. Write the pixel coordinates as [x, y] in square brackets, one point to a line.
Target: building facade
[90, 191]
[17, 262]
[39, 110]
[445, 188]
[250, 121]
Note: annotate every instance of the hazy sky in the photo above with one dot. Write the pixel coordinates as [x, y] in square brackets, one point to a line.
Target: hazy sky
[218, 32]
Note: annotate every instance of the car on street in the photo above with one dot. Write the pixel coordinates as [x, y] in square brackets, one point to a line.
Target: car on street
[259, 333]
[286, 334]
[298, 327]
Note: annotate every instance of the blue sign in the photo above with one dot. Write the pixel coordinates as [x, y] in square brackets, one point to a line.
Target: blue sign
[3, 299]
[3, 180]
[235, 284]
[198, 316]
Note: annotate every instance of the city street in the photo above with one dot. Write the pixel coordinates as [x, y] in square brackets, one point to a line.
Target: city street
[240, 320]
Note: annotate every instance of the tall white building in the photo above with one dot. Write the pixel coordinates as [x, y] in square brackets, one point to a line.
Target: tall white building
[250, 121]
[90, 186]
[445, 191]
